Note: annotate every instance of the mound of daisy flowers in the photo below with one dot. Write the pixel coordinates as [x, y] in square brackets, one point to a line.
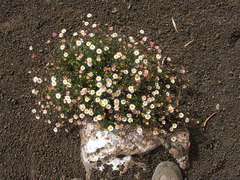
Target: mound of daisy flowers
[114, 82]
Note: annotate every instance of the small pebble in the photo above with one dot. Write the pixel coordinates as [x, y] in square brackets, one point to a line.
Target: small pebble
[219, 82]
[217, 107]
[115, 10]
[230, 73]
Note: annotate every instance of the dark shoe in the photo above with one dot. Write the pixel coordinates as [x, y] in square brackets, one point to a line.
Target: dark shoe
[167, 171]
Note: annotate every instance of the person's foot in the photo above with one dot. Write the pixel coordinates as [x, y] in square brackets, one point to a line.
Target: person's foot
[167, 171]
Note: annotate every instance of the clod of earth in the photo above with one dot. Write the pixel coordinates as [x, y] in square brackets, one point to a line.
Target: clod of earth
[103, 146]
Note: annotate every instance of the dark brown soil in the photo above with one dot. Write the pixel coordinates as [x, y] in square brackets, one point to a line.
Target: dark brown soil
[29, 148]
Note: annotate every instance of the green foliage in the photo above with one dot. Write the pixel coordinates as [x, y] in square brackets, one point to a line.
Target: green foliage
[110, 80]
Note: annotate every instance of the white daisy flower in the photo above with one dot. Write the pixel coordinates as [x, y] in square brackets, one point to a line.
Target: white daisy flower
[140, 57]
[131, 89]
[75, 116]
[64, 30]
[99, 117]
[53, 78]
[159, 70]
[35, 79]
[110, 128]
[173, 139]
[123, 101]
[92, 92]
[92, 47]
[108, 106]
[134, 70]
[89, 15]
[91, 126]
[114, 35]
[124, 119]
[58, 95]
[99, 93]
[145, 61]
[141, 31]
[39, 80]
[54, 83]
[82, 115]
[65, 82]
[88, 43]
[97, 99]
[174, 125]
[82, 67]
[129, 96]
[98, 78]
[62, 47]
[91, 34]
[137, 61]
[78, 43]
[132, 106]
[147, 116]
[65, 54]
[136, 52]
[60, 35]
[125, 71]
[139, 130]
[130, 120]
[99, 51]
[181, 115]
[87, 99]
[89, 59]
[99, 84]
[158, 56]
[152, 106]
[137, 77]
[115, 76]
[106, 48]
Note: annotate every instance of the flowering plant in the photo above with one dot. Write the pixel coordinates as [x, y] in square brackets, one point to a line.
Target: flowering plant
[112, 81]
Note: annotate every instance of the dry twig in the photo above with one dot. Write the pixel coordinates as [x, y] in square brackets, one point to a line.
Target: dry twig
[175, 26]
[185, 45]
[206, 120]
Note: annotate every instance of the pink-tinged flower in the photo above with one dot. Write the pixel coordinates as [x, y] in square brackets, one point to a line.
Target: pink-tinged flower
[57, 124]
[54, 34]
[170, 108]
[182, 71]
[47, 96]
[59, 108]
[110, 28]
[113, 68]
[151, 43]
[51, 88]
[145, 73]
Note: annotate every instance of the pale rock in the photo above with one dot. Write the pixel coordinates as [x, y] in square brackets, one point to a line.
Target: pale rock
[98, 145]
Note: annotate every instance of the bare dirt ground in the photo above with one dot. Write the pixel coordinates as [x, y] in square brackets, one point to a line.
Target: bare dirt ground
[28, 147]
